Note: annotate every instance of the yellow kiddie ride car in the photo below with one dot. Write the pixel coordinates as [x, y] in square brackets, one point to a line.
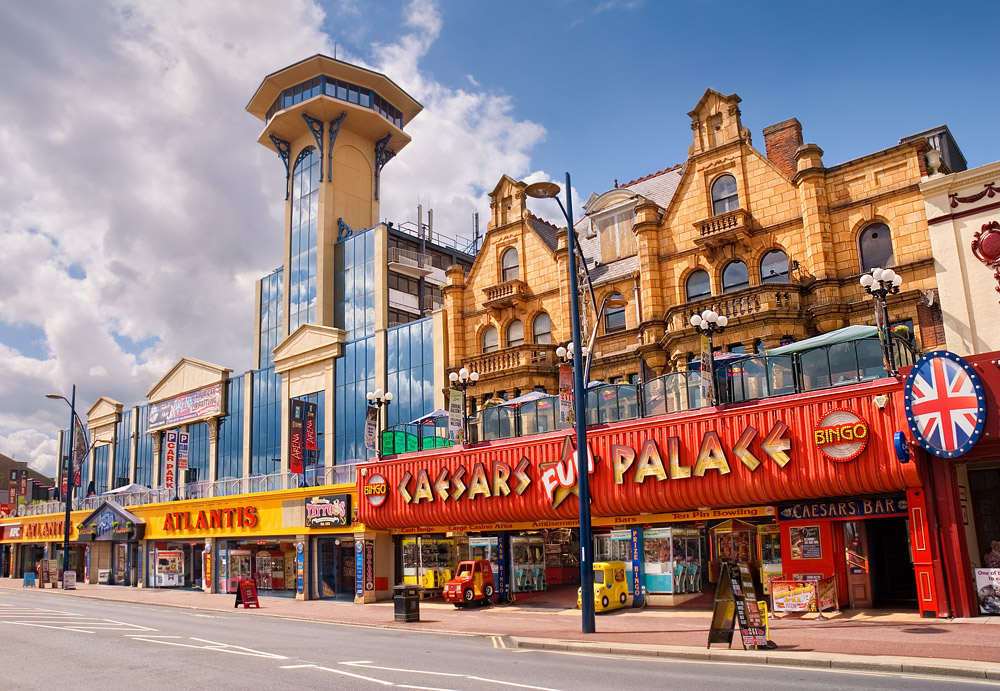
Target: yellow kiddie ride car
[610, 586]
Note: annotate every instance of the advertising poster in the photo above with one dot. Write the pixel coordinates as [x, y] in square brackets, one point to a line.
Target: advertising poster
[806, 543]
[566, 411]
[194, 405]
[793, 596]
[312, 441]
[296, 436]
[182, 450]
[826, 594]
[170, 460]
[22, 487]
[359, 568]
[12, 488]
[80, 449]
[988, 590]
[456, 430]
[371, 427]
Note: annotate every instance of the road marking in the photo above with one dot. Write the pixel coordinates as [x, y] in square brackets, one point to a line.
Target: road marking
[64, 621]
[212, 645]
[498, 642]
[370, 665]
[346, 674]
[511, 683]
[444, 674]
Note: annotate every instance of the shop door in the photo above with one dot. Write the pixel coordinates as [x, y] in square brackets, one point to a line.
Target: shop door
[894, 582]
[859, 587]
[328, 569]
[346, 563]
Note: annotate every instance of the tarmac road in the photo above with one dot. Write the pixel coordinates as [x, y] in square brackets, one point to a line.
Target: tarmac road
[50, 641]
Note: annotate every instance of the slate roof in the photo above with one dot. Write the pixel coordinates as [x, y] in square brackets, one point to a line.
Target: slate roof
[658, 187]
[546, 231]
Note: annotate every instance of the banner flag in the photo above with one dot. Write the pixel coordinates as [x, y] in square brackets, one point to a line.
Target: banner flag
[296, 436]
[456, 430]
[566, 409]
[371, 427]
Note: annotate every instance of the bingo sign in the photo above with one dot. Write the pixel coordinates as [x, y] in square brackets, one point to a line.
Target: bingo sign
[841, 435]
[376, 490]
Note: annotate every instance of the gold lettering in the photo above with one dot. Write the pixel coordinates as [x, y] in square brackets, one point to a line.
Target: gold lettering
[711, 456]
[501, 474]
[650, 463]
[522, 477]
[622, 458]
[677, 471]
[479, 483]
[423, 489]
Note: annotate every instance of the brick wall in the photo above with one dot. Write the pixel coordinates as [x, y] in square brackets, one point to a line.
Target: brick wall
[781, 141]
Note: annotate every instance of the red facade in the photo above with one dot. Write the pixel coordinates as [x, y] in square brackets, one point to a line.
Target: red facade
[741, 455]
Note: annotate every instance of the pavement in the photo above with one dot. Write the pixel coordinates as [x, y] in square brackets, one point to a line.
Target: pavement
[872, 640]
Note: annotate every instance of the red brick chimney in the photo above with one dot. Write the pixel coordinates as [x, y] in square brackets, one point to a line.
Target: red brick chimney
[781, 141]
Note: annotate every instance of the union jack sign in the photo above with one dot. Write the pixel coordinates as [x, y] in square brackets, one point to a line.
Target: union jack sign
[945, 404]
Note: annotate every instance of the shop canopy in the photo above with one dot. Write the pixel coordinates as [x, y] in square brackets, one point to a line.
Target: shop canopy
[110, 521]
[846, 335]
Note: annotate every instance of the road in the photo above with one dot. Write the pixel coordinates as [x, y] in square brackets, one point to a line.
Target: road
[56, 642]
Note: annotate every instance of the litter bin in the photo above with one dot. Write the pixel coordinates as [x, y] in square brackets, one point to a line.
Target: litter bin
[406, 602]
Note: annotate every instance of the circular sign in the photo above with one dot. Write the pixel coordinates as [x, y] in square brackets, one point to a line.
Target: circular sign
[841, 435]
[945, 404]
[376, 490]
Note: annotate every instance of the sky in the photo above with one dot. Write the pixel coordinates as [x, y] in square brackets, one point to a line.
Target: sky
[137, 209]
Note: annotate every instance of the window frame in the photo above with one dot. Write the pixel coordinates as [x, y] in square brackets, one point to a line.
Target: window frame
[506, 269]
[867, 266]
[687, 285]
[616, 312]
[495, 345]
[535, 333]
[513, 342]
[775, 278]
[719, 201]
[730, 288]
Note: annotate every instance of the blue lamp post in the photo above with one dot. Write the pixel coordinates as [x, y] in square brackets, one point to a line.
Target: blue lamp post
[68, 470]
[550, 190]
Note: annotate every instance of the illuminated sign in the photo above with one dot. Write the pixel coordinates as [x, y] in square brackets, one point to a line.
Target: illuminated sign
[851, 508]
[329, 511]
[212, 519]
[841, 435]
[376, 490]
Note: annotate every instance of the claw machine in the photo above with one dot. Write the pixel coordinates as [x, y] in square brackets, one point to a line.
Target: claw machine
[732, 540]
[239, 568]
[769, 555]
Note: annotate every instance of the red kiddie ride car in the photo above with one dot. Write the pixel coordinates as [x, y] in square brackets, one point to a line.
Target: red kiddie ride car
[473, 581]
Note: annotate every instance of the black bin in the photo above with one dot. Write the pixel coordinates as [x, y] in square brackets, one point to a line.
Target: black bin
[406, 602]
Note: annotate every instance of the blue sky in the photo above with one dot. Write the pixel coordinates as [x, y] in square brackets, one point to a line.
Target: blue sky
[136, 209]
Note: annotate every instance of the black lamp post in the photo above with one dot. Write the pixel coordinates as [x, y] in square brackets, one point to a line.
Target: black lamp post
[68, 471]
[550, 190]
[881, 283]
[463, 379]
[379, 398]
[710, 323]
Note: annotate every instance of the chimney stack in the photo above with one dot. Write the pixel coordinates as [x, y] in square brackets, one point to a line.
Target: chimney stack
[781, 142]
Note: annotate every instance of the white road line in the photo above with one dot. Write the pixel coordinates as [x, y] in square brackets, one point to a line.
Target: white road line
[238, 650]
[295, 666]
[425, 688]
[356, 676]
[146, 635]
[397, 669]
[512, 683]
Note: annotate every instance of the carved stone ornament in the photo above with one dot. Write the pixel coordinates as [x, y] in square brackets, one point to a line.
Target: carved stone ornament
[986, 248]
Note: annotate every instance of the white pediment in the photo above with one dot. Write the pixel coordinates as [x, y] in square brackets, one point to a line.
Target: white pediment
[187, 375]
[104, 411]
[310, 343]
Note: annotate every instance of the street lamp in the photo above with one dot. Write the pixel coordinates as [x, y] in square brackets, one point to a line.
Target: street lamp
[463, 378]
[881, 283]
[379, 398]
[68, 494]
[550, 190]
[709, 323]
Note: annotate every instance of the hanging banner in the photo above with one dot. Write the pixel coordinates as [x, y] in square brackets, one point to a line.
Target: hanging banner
[182, 450]
[22, 487]
[371, 427]
[194, 405]
[80, 449]
[707, 380]
[566, 410]
[170, 459]
[456, 430]
[296, 436]
[12, 487]
[311, 438]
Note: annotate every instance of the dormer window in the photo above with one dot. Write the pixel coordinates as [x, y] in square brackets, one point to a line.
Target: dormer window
[724, 196]
[617, 238]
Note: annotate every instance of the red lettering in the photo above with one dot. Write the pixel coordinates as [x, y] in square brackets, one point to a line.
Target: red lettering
[202, 521]
[216, 518]
[251, 514]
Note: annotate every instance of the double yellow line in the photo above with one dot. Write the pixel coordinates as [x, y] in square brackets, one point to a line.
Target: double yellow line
[498, 642]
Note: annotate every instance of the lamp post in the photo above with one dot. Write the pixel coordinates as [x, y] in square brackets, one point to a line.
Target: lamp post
[550, 190]
[881, 283]
[68, 494]
[379, 398]
[463, 378]
[709, 323]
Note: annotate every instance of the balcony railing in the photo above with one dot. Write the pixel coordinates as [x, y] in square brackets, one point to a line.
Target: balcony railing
[502, 361]
[314, 477]
[506, 294]
[737, 380]
[747, 302]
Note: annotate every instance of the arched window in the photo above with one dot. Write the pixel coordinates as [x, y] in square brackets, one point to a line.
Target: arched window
[875, 247]
[510, 268]
[614, 317]
[735, 277]
[541, 329]
[698, 285]
[515, 333]
[302, 259]
[774, 267]
[491, 341]
[724, 197]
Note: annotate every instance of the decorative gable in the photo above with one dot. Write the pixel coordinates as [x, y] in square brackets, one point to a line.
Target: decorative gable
[715, 122]
[507, 203]
[110, 521]
[308, 344]
[187, 375]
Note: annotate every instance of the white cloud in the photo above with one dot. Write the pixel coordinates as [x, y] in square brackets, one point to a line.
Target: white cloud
[126, 154]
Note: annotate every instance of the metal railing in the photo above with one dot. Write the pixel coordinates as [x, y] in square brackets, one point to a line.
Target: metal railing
[254, 484]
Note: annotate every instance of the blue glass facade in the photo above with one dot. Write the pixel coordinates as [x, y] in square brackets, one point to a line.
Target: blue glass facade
[339, 89]
[123, 437]
[302, 258]
[265, 422]
[143, 448]
[410, 370]
[354, 281]
[355, 376]
[198, 451]
[230, 442]
[271, 291]
[102, 455]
